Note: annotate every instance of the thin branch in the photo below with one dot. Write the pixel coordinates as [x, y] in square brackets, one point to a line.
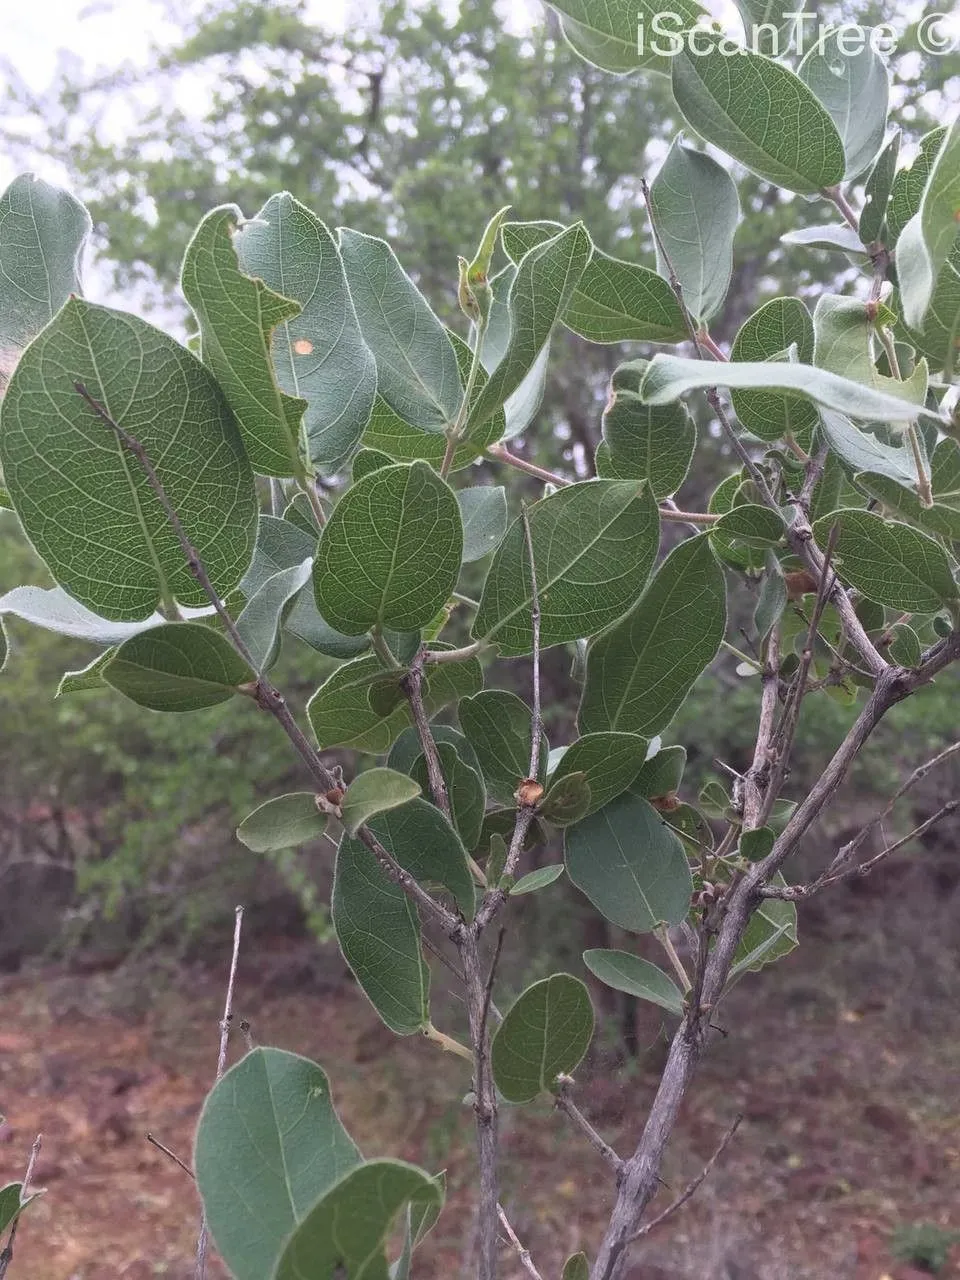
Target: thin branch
[262, 691]
[172, 1155]
[500, 453]
[412, 685]
[536, 720]
[757, 778]
[453, 655]
[6, 1256]
[707, 342]
[691, 1189]
[670, 511]
[570, 1109]
[203, 1238]
[836, 197]
[484, 1106]
[522, 1253]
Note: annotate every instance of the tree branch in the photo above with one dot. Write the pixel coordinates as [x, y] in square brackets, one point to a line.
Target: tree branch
[412, 685]
[524, 1254]
[570, 1109]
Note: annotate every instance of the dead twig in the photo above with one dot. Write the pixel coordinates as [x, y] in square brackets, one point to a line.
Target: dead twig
[522, 1253]
[691, 1189]
[6, 1256]
[202, 1240]
[172, 1155]
[570, 1109]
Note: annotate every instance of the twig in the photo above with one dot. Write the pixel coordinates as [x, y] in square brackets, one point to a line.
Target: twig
[522, 1253]
[840, 869]
[536, 720]
[412, 685]
[6, 1256]
[836, 197]
[202, 1239]
[155, 1142]
[691, 1189]
[500, 453]
[268, 697]
[570, 1109]
[707, 342]
[757, 778]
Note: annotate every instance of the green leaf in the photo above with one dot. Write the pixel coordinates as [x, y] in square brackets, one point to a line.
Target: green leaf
[497, 726]
[607, 34]
[567, 800]
[522, 404]
[406, 751]
[756, 844]
[939, 518]
[929, 237]
[576, 1267]
[614, 301]
[626, 972]
[640, 671]
[343, 715]
[425, 844]
[43, 230]
[368, 460]
[269, 1143]
[536, 880]
[761, 114]
[593, 545]
[88, 677]
[772, 599]
[863, 452]
[854, 87]
[844, 344]
[661, 773]
[630, 865]
[777, 326]
[465, 789]
[379, 936]
[544, 1035]
[609, 763]
[9, 1204]
[181, 666]
[345, 1233]
[670, 377]
[284, 545]
[909, 184]
[695, 207]
[759, 16]
[877, 191]
[261, 618]
[890, 562]
[54, 610]
[98, 524]
[840, 237]
[417, 372]
[770, 934]
[645, 442]
[545, 280]
[237, 316]
[283, 823]
[390, 553]
[905, 648]
[372, 792]
[750, 523]
[483, 510]
[939, 335]
[319, 354]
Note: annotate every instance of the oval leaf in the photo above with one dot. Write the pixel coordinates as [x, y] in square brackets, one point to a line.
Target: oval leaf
[593, 546]
[483, 510]
[538, 879]
[626, 972]
[417, 372]
[645, 442]
[283, 823]
[890, 562]
[269, 1143]
[695, 206]
[347, 1230]
[545, 1034]
[851, 80]
[608, 34]
[372, 792]
[497, 726]
[237, 316]
[390, 554]
[260, 620]
[609, 763]
[319, 355]
[181, 666]
[630, 865]
[98, 524]
[760, 113]
[777, 326]
[640, 671]
[379, 936]
[43, 230]
[54, 610]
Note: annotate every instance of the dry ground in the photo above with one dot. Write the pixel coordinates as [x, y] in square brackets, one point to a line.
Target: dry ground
[852, 1124]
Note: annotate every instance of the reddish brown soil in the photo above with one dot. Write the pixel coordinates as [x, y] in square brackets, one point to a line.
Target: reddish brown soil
[852, 1126]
